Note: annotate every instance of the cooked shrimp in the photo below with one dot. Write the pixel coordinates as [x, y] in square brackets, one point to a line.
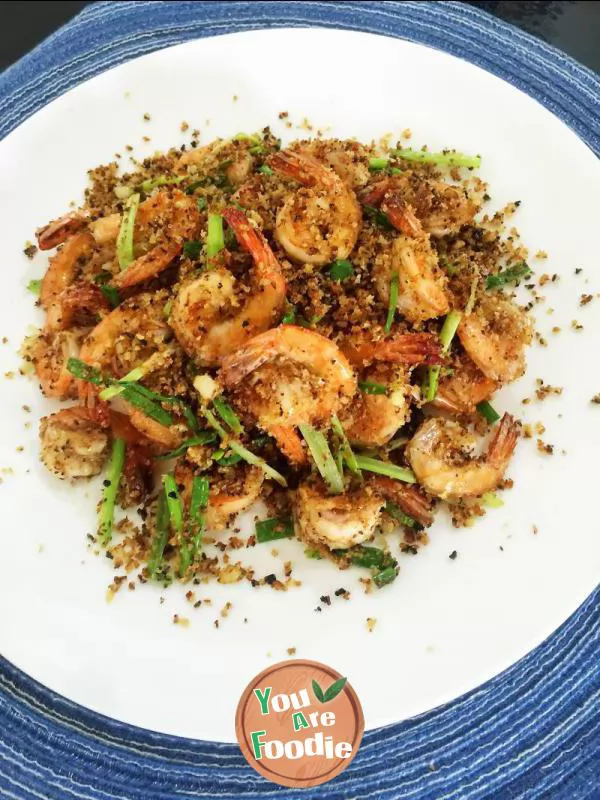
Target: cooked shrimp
[73, 444]
[348, 159]
[103, 229]
[422, 284]
[460, 392]
[64, 267]
[289, 442]
[49, 353]
[81, 302]
[297, 376]
[441, 207]
[234, 493]
[495, 336]
[231, 158]
[336, 521]
[373, 419]
[438, 458]
[407, 348]
[321, 221]
[200, 314]
[412, 501]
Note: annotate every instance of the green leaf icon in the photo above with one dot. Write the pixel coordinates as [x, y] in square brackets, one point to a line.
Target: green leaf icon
[318, 692]
[335, 689]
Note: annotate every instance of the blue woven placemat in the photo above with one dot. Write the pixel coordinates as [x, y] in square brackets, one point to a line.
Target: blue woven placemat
[532, 732]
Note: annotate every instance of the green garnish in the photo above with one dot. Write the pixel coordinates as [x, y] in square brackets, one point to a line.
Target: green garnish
[393, 301]
[243, 452]
[111, 294]
[395, 171]
[84, 372]
[376, 164]
[201, 203]
[192, 249]
[345, 448]
[167, 308]
[369, 557]
[289, 317]
[247, 137]
[228, 415]
[176, 517]
[385, 576]
[451, 269]
[148, 185]
[125, 237]
[215, 240]
[377, 216]
[204, 437]
[118, 387]
[257, 150]
[224, 460]
[394, 511]
[511, 275]
[161, 536]
[268, 530]
[317, 444]
[198, 503]
[449, 158]
[310, 552]
[34, 286]
[449, 328]
[372, 387]
[492, 500]
[196, 185]
[265, 169]
[488, 412]
[385, 468]
[109, 492]
[340, 270]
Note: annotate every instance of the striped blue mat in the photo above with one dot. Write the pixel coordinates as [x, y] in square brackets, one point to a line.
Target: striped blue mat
[534, 731]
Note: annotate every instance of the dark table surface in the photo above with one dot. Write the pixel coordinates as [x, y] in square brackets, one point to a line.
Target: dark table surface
[571, 25]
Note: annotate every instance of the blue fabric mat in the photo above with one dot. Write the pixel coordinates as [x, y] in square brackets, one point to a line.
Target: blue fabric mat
[532, 732]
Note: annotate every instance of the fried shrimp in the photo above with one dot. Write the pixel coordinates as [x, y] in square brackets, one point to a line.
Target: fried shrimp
[74, 445]
[421, 283]
[407, 348]
[320, 222]
[336, 521]
[50, 353]
[460, 392]
[409, 498]
[208, 318]
[495, 336]
[64, 267]
[372, 419]
[294, 376]
[439, 454]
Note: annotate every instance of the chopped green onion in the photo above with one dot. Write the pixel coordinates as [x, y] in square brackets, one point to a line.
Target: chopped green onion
[148, 185]
[396, 512]
[397, 442]
[187, 412]
[133, 394]
[395, 171]
[228, 415]
[118, 387]
[125, 237]
[340, 270]
[492, 500]
[243, 452]
[228, 461]
[192, 249]
[161, 536]
[111, 294]
[168, 306]
[289, 316]
[377, 216]
[372, 387]
[109, 492]
[204, 437]
[201, 203]
[449, 328]
[257, 150]
[247, 137]
[385, 468]
[369, 557]
[310, 552]
[385, 576]
[198, 503]
[488, 412]
[317, 444]
[196, 185]
[102, 277]
[393, 301]
[268, 530]
[449, 158]
[345, 448]
[176, 516]
[215, 240]
[376, 164]
[34, 286]
[265, 169]
[84, 372]
[472, 295]
[510, 275]
[451, 269]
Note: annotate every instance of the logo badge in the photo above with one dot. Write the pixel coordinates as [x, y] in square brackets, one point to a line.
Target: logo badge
[299, 723]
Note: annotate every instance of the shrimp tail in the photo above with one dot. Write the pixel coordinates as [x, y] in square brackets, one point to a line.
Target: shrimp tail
[504, 442]
[80, 297]
[59, 230]
[300, 168]
[374, 194]
[147, 266]
[410, 348]
[289, 442]
[402, 216]
[410, 499]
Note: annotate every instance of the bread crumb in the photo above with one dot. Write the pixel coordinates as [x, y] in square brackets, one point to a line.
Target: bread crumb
[371, 622]
[291, 651]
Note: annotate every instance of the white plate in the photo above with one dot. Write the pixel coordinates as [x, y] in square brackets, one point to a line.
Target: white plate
[445, 625]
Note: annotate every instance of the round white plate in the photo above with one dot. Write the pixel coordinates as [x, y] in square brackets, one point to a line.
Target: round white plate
[445, 625]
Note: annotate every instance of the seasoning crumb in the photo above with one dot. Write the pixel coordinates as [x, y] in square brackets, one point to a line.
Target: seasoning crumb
[40, 548]
[453, 555]
[544, 390]
[235, 98]
[596, 399]
[184, 126]
[371, 622]
[226, 609]
[326, 599]
[546, 449]
[291, 651]
[585, 299]
[541, 254]
[406, 133]
[216, 623]
[534, 528]
[147, 117]
[576, 326]
[30, 250]
[183, 621]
